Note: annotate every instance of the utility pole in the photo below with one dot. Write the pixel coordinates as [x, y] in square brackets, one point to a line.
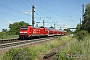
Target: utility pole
[60, 28]
[80, 22]
[33, 16]
[82, 12]
[54, 25]
[43, 23]
[37, 24]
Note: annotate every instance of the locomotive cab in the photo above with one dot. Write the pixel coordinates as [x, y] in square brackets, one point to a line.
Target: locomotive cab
[24, 32]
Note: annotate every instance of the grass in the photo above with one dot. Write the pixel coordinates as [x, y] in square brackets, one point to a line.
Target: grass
[8, 37]
[5, 35]
[35, 52]
[79, 50]
[1, 56]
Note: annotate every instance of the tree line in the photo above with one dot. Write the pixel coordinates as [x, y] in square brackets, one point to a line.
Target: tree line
[86, 22]
[83, 29]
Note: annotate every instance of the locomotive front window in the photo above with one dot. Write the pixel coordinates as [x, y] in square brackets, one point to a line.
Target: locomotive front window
[24, 28]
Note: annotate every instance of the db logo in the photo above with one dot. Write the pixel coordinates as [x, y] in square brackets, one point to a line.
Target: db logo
[34, 30]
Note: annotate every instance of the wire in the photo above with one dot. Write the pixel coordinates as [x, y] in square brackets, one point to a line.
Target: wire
[59, 10]
[29, 7]
[18, 4]
[24, 4]
[13, 15]
[12, 9]
[38, 10]
[42, 7]
[51, 6]
[75, 9]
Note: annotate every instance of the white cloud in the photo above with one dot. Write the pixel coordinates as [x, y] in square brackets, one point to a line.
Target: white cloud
[27, 12]
[9, 21]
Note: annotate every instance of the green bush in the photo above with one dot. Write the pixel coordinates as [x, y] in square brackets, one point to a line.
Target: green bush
[81, 34]
[19, 54]
[3, 35]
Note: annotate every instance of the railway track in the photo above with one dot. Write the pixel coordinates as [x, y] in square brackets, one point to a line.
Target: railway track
[8, 40]
[11, 40]
[22, 43]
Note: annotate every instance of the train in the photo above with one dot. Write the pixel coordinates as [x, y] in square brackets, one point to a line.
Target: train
[29, 32]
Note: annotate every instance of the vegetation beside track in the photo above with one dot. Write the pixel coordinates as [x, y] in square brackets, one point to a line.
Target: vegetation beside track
[4, 35]
[35, 52]
[79, 50]
[77, 46]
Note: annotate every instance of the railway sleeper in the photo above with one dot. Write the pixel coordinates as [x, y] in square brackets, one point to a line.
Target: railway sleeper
[49, 55]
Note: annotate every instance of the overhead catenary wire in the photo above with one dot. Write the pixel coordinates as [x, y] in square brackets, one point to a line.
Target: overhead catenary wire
[75, 9]
[15, 11]
[29, 7]
[25, 7]
[45, 9]
[13, 15]
[24, 4]
[59, 10]
[51, 6]
[42, 7]
[19, 4]
[12, 9]
[38, 10]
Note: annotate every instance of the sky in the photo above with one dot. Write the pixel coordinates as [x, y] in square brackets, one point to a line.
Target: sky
[62, 13]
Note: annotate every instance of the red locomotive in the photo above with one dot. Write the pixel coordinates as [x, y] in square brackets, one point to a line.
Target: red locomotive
[28, 32]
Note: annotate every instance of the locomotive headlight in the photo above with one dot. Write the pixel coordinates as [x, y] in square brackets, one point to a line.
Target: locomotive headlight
[24, 32]
[21, 32]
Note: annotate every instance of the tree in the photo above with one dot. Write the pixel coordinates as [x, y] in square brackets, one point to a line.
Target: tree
[4, 30]
[68, 30]
[81, 34]
[86, 22]
[78, 28]
[15, 27]
[51, 27]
